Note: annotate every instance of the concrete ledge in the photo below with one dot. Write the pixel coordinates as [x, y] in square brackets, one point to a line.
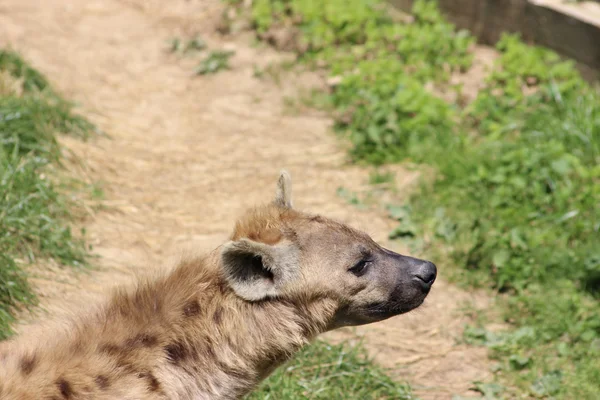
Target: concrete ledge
[570, 29]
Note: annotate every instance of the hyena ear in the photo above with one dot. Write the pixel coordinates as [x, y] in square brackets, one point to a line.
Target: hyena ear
[255, 270]
[283, 197]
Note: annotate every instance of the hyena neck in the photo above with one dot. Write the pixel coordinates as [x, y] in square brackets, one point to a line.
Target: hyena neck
[229, 345]
[286, 328]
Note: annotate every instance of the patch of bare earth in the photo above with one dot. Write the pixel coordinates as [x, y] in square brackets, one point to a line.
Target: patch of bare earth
[187, 154]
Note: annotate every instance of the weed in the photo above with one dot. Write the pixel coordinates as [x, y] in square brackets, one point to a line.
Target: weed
[12, 63]
[350, 197]
[213, 62]
[97, 191]
[258, 72]
[332, 372]
[273, 71]
[216, 61]
[195, 44]
[380, 177]
[406, 227]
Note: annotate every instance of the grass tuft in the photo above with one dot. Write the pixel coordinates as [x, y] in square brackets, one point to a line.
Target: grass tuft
[332, 372]
[34, 214]
[214, 62]
[12, 63]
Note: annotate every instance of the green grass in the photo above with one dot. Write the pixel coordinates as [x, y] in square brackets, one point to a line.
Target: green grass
[34, 213]
[15, 66]
[514, 203]
[213, 62]
[381, 177]
[331, 372]
[30, 123]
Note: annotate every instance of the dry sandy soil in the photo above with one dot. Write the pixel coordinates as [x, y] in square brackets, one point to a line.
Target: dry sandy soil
[187, 154]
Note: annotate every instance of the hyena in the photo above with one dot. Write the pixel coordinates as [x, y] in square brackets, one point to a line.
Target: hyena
[218, 324]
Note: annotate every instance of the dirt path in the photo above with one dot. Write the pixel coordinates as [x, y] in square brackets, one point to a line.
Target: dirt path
[187, 154]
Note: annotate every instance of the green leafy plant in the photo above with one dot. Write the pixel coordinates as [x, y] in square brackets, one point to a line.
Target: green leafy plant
[195, 44]
[387, 116]
[215, 61]
[524, 77]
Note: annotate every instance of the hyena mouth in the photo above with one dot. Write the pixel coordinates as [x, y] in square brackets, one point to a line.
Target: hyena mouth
[390, 309]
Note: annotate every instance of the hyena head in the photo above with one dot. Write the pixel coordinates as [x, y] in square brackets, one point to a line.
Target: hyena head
[277, 253]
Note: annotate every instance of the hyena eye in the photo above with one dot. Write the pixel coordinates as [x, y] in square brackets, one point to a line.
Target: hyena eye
[360, 268]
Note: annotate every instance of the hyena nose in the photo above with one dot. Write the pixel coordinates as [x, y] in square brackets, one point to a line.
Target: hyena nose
[425, 274]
